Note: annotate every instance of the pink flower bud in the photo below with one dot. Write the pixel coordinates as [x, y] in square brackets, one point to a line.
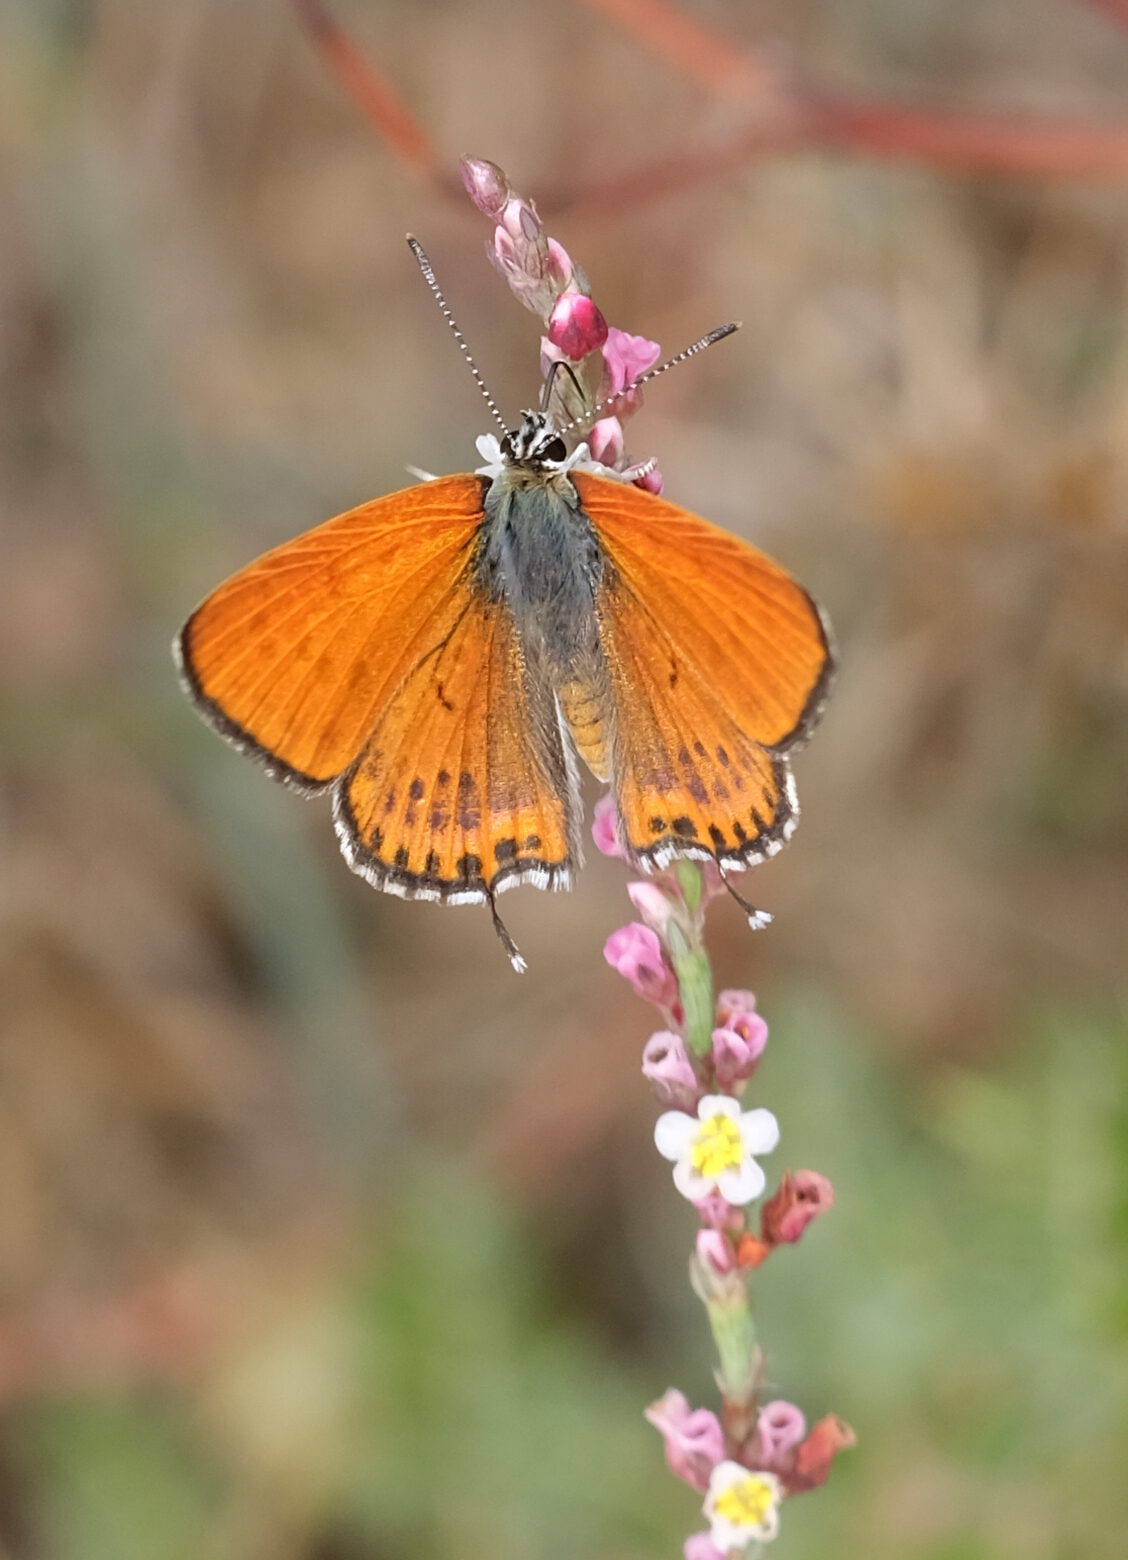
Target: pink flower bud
[519, 220]
[486, 186]
[666, 1065]
[605, 827]
[561, 271]
[636, 953]
[605, 441]
[693, 1438]
[801, 1197]
[779, 1427]
[814, 1456]
[700, 1546]
[651, 481]
[520, 253]
[719, 1214]
[734, 1058]
[652, 903]
[576, 326]
[714, 1251]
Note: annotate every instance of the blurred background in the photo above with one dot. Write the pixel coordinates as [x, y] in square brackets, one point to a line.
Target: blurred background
[322, 1235]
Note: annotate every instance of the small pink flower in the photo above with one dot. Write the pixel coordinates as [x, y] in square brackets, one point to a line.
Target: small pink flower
[605, 441]
[734, 1058]
[667, 1067]
[800, 1198]
[779, 1427]
[693, 1437]
[625, 357]
[737, 1010]
[700, 1546]
[576, 326]
[634, 950]
[715, 1251]
[650, 481]
[605, 827]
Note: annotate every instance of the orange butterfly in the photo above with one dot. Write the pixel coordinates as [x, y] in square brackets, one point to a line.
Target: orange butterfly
[435, 660]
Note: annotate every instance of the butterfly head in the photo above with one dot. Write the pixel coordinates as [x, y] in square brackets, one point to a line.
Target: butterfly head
[535, 443]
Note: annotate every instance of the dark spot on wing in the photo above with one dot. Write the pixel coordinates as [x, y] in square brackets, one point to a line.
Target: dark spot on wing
[402, 858]
[532, 842]
[720, 791]
[505, 850]
[443, 777]
[657, 825]
[389, 801]
[696, 786]
[434, 861]
[722, 757]
[469, 866]
[717, 837]
[415, 790]
[469, 805]
[739, 830]
[699, 749]
[442, 698]
[685, 828]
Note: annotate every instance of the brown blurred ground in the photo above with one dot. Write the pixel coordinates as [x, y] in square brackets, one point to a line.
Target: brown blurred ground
[218, 1049]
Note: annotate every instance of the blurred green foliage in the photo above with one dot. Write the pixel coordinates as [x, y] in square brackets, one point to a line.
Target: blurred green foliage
[963, 1303]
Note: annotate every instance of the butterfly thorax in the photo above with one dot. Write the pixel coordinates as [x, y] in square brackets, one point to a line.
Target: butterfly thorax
[541, 557]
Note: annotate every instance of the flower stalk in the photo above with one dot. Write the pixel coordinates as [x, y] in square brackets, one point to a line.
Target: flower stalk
[700, 1070]
[748, 1459]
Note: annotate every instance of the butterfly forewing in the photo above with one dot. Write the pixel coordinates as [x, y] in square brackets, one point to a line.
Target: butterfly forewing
[718, 664]
[293, 658]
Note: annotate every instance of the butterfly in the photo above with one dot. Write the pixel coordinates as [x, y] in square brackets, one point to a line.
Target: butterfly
[437, 660]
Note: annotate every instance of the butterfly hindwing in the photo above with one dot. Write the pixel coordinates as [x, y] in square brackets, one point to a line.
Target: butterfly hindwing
[718, 664]
[464, 787]
[292, 658]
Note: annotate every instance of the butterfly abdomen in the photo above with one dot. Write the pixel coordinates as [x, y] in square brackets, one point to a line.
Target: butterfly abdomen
[586, 714]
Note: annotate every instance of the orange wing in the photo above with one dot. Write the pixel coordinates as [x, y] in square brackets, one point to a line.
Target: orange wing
[464, 788]
[719, 664]
[362, 656]
[292, 658]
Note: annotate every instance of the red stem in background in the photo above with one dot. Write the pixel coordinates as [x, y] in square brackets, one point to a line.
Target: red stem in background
[375, 98]
[1115, 10]
[788, 112]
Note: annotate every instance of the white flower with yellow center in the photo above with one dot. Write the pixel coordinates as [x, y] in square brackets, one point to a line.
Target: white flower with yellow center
[715, 1148]
[742, 1506]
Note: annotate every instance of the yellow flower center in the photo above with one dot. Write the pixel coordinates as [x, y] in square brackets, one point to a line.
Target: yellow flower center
[748, 1503]
[717, 1146]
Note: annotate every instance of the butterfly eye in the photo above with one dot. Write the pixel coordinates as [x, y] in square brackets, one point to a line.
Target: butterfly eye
[554, 450]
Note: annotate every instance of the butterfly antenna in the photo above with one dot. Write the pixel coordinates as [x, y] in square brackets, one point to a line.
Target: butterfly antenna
[652, 373]
[506, 940]
[429, 277]
[757, 919]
